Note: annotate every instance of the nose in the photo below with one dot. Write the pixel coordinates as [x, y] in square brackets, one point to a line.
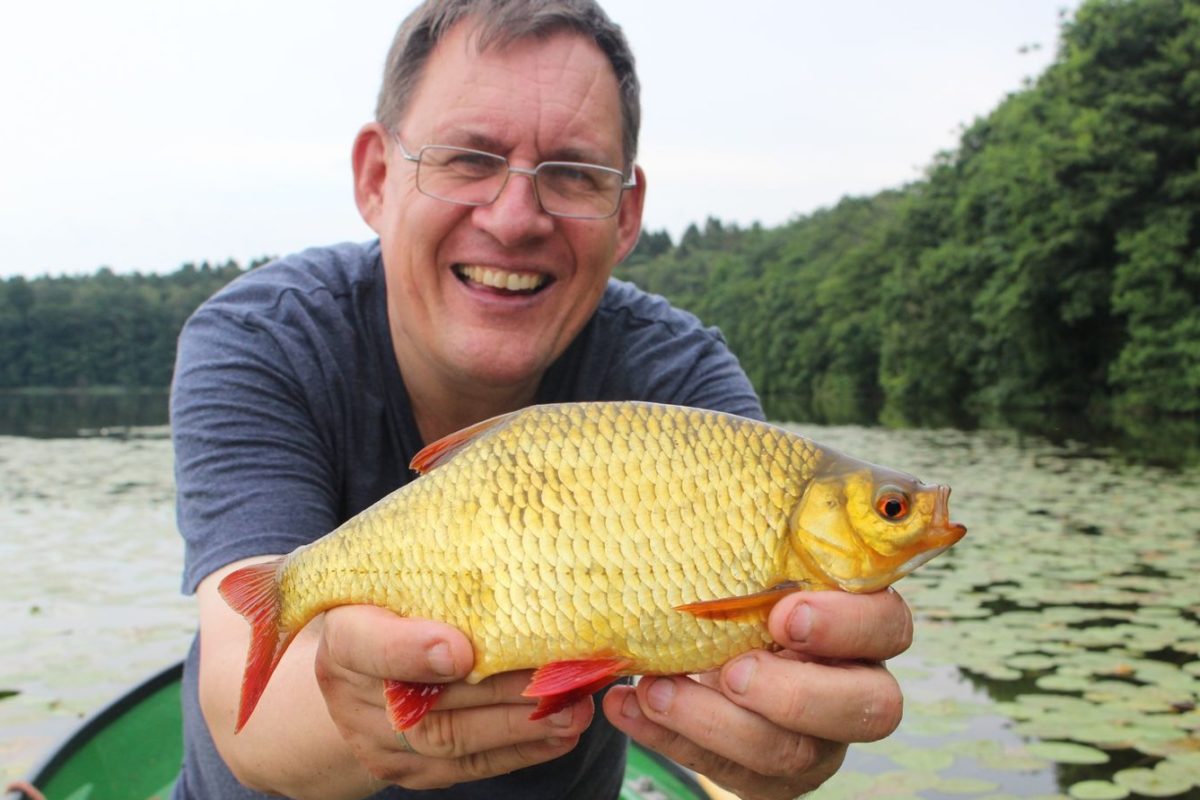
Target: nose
[516, 215]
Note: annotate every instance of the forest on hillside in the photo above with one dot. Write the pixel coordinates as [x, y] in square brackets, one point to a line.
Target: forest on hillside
[1049, 262]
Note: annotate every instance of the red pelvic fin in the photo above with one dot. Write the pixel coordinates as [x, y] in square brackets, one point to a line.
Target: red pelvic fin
[408, 702]
[253, 592]
[560, 683]
[443, 449]
[743, 607]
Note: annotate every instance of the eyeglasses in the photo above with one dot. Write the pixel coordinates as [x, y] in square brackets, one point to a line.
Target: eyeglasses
[475, 178]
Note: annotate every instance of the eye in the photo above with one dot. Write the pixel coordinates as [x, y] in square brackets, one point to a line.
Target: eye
[891, 503]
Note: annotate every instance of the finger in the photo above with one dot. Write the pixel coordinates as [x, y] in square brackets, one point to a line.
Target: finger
[697, 727]
[464, 732]
[869, 627]
[419, 773]
[846, 701]
[374, 641]
[504, 688]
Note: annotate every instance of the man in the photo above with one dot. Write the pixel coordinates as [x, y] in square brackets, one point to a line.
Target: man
[500, 179]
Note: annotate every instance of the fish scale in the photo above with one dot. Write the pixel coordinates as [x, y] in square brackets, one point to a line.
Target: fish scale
[571, 533]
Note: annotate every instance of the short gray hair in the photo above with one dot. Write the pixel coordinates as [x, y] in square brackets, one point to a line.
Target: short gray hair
[502, 22]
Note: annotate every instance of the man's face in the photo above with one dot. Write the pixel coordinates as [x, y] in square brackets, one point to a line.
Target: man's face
[491, 295]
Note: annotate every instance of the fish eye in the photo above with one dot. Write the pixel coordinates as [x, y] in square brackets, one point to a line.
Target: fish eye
[892, 504]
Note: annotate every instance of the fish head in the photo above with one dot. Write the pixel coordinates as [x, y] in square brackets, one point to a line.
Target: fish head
[860, 527]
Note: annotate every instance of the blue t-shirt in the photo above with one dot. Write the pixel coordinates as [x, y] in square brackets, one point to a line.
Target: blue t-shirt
[289, 416]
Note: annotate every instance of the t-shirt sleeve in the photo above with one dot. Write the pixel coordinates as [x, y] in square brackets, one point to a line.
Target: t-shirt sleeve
[253, 476]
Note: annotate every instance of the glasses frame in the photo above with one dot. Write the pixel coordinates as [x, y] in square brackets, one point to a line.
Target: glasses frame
[532, 174]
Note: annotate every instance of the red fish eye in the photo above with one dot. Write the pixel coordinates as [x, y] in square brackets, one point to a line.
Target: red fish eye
[892, 505]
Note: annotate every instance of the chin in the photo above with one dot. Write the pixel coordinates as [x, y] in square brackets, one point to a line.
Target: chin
[502, 358]
[503, 370]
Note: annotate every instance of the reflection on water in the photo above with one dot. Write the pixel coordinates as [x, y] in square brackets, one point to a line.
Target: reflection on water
[53, 415]
[1170, 442]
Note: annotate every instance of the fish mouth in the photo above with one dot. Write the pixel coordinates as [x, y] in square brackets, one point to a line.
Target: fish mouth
[949, 532]
[502, 281]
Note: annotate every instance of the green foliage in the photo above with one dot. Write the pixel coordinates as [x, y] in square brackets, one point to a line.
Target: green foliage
[1050, 262]
[100, 330]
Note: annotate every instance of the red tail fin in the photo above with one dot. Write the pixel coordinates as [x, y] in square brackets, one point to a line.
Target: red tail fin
[253, 592]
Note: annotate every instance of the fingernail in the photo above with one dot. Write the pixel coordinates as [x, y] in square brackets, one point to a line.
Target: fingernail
[799, 624]
[738, 676]
[440, 660]
[555, 741]
[631, 708]
[562, 718]
[661, 694]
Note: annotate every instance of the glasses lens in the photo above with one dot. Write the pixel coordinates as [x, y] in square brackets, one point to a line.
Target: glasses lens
[460, 175]
[586, 191]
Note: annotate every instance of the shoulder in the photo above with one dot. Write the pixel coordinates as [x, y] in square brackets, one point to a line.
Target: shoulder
[312, 278]
[641, 347]
[626, 306]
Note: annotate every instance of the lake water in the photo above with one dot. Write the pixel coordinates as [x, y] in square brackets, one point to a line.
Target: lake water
[1069, 614]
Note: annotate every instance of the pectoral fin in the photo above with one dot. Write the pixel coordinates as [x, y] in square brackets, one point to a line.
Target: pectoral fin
[739, 607]
[560, 683]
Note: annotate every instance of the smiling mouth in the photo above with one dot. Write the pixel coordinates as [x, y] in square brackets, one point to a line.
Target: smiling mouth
[502, 280]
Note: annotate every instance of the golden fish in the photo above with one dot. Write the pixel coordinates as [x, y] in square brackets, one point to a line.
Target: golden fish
[593, 540]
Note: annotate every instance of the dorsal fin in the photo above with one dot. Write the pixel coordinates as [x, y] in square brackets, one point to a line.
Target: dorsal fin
[443, 449]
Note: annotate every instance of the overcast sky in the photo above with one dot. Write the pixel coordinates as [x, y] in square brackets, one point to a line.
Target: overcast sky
[142, 134]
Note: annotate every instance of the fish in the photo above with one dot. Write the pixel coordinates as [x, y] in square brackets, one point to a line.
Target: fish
[590, 541]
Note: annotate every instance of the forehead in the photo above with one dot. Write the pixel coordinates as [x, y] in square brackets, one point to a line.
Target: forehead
[548, 93]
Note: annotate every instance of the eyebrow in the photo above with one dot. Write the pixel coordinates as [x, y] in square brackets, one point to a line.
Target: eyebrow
[490, 144]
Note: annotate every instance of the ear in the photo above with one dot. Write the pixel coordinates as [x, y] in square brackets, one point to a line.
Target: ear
[629, 216]
[370, 162]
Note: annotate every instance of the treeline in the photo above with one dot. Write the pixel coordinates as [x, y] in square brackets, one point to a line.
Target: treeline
[100, 330]
[1051, 261]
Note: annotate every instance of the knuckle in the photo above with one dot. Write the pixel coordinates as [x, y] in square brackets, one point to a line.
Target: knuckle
[796, 706]
[800, 754]
[395, 654]
[902, 635]
[477, 766]
[439, 735]
[418, 781]
[883, 709]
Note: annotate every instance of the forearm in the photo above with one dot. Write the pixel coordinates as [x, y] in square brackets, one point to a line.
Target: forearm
[290, 746]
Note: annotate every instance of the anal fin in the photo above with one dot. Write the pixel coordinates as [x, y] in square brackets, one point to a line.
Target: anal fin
[560, 683]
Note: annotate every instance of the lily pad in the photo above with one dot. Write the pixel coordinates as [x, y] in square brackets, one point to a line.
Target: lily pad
[1097, 790]
[923, 759]
[964, 786]
[1151, 782]
[1068, 753]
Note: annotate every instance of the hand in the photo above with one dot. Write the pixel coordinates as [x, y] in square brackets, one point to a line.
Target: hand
[777, 725]
[473, 732]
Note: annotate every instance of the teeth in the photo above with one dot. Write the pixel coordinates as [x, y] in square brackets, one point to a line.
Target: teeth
[502, 279]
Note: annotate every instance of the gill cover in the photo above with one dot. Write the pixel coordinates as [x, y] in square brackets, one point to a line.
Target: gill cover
[861, 527]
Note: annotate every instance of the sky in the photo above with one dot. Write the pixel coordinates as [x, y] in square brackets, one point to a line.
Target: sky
[143, 134]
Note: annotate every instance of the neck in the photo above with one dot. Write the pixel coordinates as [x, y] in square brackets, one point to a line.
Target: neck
[440, 413]
[444, 402]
